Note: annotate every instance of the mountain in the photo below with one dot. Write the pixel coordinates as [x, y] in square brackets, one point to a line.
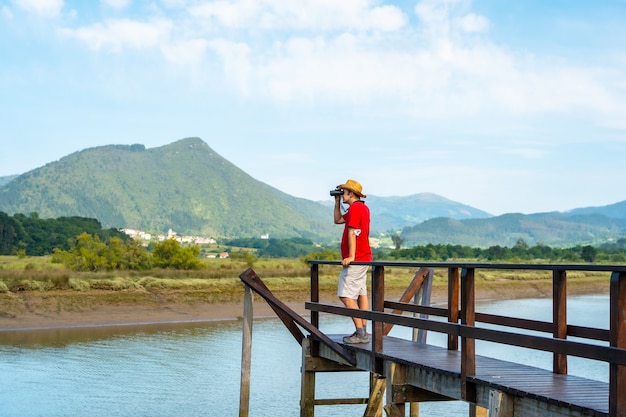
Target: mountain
[188, 187]
[551, 229]
[616, 211]
[185, 186]
[395, 213]
[7, 179]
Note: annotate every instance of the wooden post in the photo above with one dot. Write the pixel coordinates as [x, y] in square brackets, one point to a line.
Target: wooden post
[377, 394]
[468, 345]
[378, 304]
[307, 385]
[559, 318]
[246, 353]
[617, 338]
[500, 404]
[453, 305]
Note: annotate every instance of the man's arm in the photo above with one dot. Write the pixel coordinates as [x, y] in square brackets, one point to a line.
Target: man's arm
[338, 216]
[351, 247]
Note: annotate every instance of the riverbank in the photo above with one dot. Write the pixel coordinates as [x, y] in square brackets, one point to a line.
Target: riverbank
[50, 309]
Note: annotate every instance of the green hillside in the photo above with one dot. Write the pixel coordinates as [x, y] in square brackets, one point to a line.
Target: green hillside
[185, 186]
[552, 229]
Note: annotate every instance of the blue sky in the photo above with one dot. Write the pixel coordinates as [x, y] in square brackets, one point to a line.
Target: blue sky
[508, 106]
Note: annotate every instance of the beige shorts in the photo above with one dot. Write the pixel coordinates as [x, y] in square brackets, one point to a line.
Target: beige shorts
[352, 281]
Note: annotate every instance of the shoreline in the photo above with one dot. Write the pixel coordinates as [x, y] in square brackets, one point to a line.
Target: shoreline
[41, 310]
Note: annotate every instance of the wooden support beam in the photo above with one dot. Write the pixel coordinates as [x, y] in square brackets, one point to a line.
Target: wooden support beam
[405, 393]
[477, 411]
[500, 404]
[377, 394]
[414, 286]
[307, 383]
[246, 353]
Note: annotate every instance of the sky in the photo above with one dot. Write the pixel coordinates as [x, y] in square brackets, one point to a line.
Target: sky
[514, 106]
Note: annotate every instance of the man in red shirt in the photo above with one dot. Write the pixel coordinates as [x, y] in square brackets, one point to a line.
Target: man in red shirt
[355, 247]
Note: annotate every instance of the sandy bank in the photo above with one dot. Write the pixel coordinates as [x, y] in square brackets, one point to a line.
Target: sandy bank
[32, 310]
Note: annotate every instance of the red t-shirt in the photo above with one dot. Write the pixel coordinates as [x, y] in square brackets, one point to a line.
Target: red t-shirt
[357, 217]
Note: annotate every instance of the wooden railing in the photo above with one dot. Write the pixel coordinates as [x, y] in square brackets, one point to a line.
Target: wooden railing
[462, 318]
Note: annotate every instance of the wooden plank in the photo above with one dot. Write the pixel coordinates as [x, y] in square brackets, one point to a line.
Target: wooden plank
[529, 384]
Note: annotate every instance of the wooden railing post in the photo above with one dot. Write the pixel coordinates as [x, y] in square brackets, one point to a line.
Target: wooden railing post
[246, 352]
[559, 317]
[378, 304]
[315, 293]
[617, 338]
[453, 305]
[468, 345]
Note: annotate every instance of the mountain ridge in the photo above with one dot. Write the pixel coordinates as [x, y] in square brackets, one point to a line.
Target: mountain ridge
[184, 185]
[188, 187]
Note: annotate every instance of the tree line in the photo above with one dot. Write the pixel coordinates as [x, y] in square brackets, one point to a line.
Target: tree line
[613, 252]
[34, 236]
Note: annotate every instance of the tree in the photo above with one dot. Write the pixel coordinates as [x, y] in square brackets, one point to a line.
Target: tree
[589, 253]
[397, 241]
[170, 254]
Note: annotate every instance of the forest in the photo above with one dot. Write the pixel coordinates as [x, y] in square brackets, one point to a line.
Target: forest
[34, 236]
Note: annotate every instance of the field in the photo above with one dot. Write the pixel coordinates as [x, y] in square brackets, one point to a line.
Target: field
[34, 291]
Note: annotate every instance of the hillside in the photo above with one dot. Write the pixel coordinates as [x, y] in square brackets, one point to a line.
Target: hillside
[185, 186]
[395, 213]
[552, 229]
[616, 211]
[7, 179]
[188, 187]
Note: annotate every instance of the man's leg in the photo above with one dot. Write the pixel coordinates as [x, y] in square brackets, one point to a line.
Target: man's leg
[363, 304]
[352, 303]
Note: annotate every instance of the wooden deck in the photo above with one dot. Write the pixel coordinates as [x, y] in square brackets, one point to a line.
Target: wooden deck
[438, 370]
[406, 373]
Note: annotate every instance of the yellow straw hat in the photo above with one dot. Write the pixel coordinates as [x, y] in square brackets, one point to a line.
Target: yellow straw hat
[353, 186]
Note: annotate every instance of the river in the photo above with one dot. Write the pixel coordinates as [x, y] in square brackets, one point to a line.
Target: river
[193, 369]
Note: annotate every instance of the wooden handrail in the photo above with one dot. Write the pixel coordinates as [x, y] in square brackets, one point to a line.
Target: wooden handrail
[462, 317]
[289, 317]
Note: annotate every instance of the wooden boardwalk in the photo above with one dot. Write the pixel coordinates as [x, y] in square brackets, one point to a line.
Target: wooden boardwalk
[404, 373]
[437, 370]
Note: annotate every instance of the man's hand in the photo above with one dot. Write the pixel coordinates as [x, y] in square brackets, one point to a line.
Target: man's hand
[347, 261]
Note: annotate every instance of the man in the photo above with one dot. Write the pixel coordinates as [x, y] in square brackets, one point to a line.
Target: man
[355, 247]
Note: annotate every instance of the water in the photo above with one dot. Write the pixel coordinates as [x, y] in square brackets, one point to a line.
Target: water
[193, 369]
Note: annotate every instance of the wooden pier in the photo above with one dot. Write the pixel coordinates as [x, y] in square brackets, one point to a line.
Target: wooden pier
[404, 373]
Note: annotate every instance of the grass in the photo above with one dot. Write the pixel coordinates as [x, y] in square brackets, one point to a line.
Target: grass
[38, 284]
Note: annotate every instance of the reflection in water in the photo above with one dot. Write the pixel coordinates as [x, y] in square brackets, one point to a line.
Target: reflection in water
[193, 369]
[63, 336]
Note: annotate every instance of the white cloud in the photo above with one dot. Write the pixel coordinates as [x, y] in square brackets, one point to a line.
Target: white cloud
[115, 35]
[116, 4]
[472, 23]
[186, 52]
[302, 15]
[42, 8]
[236, 61]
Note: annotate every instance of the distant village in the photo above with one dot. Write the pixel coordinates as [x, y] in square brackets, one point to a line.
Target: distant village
[196, 240]
[199, 240]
